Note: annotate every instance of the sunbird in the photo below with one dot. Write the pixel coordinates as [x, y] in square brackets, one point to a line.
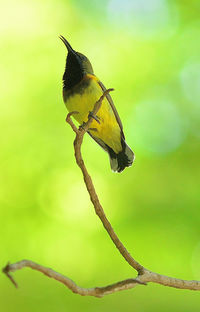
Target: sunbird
[81, 90]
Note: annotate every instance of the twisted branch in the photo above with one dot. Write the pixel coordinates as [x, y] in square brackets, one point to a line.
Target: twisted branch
[144, 275]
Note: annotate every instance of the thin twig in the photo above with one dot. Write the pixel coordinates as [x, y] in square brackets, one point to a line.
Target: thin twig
[96, 291]
[91, 189]
[144, 275]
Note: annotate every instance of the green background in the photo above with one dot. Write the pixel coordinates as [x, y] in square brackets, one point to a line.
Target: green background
[149, 51]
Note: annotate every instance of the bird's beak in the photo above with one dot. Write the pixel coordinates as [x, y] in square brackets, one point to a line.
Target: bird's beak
[66, 43]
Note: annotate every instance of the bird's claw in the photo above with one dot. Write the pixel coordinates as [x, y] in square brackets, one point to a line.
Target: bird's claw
[90, 115]
[82, 126]
[93, 129]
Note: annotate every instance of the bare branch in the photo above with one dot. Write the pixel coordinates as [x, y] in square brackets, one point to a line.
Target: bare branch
[144, 275]
[90, 186]
[96, 292]
[143, 279]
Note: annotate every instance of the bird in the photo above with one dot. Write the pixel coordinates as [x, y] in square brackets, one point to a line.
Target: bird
[81, 90]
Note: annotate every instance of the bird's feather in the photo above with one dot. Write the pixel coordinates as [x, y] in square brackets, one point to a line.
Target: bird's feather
[113, 108]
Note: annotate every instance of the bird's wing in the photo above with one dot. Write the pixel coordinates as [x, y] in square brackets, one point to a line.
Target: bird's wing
[113, 108]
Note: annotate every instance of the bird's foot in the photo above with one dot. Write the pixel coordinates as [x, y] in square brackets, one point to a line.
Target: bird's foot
[90, 115]
[93, 129]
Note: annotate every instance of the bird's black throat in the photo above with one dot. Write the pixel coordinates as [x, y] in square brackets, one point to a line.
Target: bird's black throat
[73, 71]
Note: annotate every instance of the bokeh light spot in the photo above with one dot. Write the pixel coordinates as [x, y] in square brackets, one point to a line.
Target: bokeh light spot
[144, 18]
[156, 127]
[62, 196]
[190, 81]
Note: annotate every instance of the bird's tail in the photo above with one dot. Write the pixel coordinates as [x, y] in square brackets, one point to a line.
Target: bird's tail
[123, 159]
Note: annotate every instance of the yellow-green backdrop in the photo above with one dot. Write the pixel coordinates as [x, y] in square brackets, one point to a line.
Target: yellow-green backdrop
[149, 51]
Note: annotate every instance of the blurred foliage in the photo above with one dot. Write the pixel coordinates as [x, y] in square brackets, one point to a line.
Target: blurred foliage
[149, 51]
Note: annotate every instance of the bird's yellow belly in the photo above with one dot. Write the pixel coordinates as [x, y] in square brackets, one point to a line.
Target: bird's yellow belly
[107, 129]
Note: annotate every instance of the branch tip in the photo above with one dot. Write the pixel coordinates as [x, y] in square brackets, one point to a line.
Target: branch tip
[6, 271]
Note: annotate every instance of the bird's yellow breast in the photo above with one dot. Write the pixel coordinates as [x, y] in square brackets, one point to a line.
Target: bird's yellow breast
[82, 99]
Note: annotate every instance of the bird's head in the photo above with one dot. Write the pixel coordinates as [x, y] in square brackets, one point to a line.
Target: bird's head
[77, 65]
